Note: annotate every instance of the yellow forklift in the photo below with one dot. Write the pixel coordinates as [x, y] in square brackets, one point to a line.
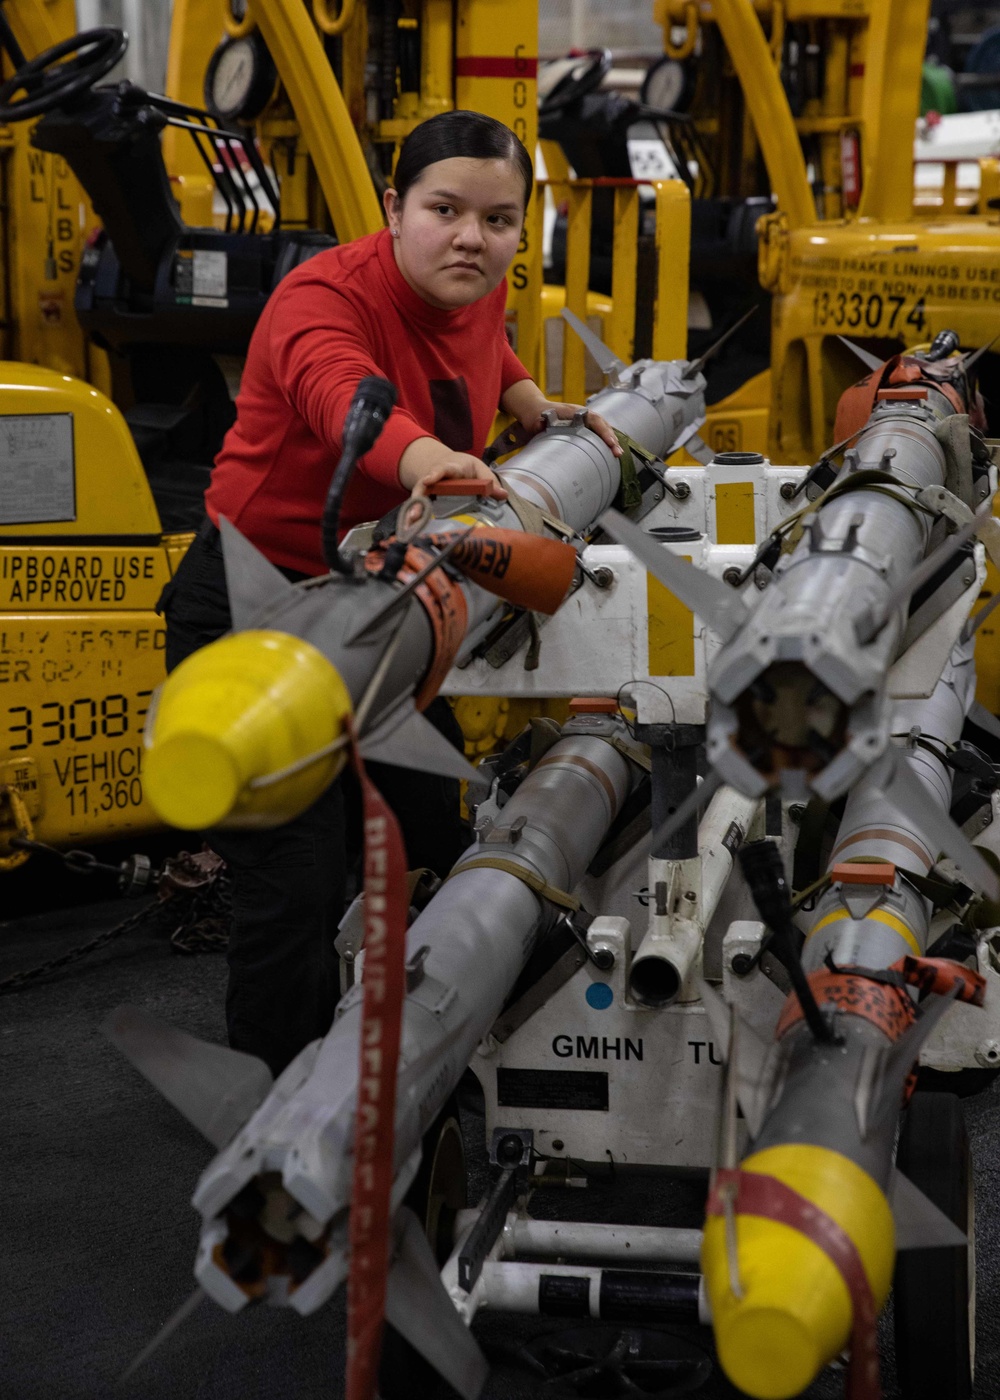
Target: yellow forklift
[814, 102]
[278, 125]
[140, 235]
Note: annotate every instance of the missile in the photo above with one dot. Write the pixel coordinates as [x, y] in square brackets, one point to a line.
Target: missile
[274, 1201]
[799, 688]
[249, 730]
[800, 1241]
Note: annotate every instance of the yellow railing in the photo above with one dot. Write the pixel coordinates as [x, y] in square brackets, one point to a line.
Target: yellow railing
[670, 283]
[951, 197]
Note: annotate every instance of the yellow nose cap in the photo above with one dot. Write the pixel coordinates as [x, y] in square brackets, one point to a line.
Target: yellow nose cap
[193, 781]
[768, 1353]
[245, 707]
[793, 1313]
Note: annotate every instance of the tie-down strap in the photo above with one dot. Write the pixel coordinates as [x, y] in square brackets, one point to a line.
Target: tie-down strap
[531, 878]
[769, 1198]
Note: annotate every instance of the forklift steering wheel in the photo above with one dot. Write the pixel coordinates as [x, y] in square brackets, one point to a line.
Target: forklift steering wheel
[53, 77]
[583, 76]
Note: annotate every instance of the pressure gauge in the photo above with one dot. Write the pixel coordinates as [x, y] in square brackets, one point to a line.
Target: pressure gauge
[239, 79]
[668, 86]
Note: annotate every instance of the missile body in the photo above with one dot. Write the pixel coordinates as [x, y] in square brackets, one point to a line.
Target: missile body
[274, 1201]
[875, 831]
[798, 693]
[234, 738]
[823, 1116]
[574, 476]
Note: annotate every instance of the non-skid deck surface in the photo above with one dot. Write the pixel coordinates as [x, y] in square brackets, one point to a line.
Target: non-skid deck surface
[97, 1236]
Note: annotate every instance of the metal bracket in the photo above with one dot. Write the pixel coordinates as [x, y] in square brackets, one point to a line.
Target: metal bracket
[946, 503]
[510, 1150]
[578, 922]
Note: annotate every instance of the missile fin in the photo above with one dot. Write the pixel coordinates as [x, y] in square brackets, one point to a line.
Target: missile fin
[419, 1308]
[752, 1068]
[869, 360]
[905, 792]
[215, 1088]
[980, 715]
[699, 450]
[408, 740]
[871, 1076]
[252, 581]
[603, 356]
[920, 1224]
[167, 1330]
[714, 601]
[971, 356]
[696, 366]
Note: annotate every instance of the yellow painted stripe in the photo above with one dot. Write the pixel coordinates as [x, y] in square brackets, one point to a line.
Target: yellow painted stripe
[670, 639]
[734, 515]
[882, 916]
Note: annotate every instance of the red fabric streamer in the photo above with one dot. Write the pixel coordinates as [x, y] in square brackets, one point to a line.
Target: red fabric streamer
[386, 907]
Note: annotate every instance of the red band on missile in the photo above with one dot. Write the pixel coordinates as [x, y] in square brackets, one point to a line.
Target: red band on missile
[887, 1007]
[769, 1198]
[855, 405]
[530, 571]
[386, 906]
[444, 603]
[462, 486]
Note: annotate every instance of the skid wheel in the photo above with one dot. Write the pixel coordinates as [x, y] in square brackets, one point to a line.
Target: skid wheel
[437, 1194]
[934, 1289]
[618, 1363]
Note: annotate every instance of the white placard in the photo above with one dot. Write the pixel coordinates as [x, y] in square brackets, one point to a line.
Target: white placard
[209, 274]
[37, 470]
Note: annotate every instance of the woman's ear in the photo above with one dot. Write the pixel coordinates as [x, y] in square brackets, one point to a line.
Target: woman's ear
[392, 205]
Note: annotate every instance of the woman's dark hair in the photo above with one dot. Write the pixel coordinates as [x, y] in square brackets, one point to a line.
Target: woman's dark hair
[452, 134]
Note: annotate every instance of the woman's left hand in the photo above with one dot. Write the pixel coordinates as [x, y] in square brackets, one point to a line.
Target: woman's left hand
[591, 420]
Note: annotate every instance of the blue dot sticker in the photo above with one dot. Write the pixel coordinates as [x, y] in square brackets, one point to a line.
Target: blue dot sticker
[599, 996]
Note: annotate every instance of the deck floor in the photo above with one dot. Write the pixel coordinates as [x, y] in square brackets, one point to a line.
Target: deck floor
[99, 1236]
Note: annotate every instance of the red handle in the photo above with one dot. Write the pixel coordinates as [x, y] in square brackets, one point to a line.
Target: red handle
[461, 486]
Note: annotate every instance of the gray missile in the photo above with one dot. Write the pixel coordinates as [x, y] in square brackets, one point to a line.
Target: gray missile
[274, 1201]
[249, 730]
[823, 1110]
[799, 689]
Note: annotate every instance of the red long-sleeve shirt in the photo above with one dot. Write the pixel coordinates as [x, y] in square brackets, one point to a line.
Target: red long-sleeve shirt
[347, 313]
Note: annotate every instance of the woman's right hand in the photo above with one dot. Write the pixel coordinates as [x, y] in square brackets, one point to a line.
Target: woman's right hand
[427, 461]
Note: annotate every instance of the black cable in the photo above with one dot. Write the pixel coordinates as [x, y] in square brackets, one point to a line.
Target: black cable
[764, 871]
[370, 408]
[7, 41]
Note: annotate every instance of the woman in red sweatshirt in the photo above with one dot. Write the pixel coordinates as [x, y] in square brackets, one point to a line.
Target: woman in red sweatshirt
[422, 304]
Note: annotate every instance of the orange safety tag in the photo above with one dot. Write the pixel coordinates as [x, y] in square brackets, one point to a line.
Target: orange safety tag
[530, 571]
[942, 976]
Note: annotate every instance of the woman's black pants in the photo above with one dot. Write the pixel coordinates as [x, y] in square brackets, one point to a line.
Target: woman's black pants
[289, 882]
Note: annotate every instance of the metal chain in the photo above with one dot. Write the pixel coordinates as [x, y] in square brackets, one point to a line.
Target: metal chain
[20, 979]
[22, 822]
[198, 922]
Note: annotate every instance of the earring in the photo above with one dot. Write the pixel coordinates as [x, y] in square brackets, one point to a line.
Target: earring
[394, 232]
